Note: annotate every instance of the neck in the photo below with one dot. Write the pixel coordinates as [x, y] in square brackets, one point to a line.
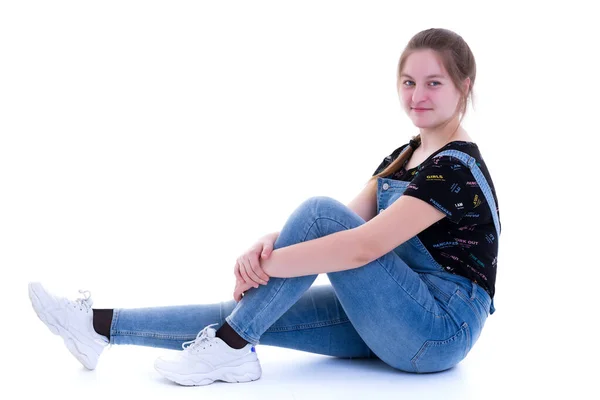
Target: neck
[435, 138]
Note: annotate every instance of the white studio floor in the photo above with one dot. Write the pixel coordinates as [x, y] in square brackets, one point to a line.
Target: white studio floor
[500, 366]
[124, 371]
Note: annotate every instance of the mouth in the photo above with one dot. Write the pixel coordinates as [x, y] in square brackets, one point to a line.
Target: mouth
[421, 109]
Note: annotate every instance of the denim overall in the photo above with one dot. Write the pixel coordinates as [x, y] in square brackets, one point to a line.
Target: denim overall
[413, 251]
[401, 308]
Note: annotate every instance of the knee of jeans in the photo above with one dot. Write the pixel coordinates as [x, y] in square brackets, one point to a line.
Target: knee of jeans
[320, 202]
[320, 206]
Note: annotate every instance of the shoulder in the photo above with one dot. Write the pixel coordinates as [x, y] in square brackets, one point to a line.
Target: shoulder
[452, 153]
[451, 166]
[469, 148]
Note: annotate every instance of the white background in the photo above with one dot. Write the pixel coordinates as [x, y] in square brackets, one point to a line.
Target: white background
[145, 145]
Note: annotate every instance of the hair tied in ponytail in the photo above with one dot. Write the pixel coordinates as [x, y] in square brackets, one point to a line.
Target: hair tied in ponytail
[413, 143]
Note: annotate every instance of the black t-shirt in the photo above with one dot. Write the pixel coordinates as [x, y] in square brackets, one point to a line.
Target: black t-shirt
[464, 242]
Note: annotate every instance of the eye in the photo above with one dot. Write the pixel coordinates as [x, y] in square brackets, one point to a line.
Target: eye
[405, 83]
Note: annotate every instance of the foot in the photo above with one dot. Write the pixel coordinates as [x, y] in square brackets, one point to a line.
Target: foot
[72, 320]
[207, 359]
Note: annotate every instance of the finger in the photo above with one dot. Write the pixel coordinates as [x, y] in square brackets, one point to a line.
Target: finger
[238, 294]
[245, 278]
[257, 273]
[239, 278]
[244, 271]
[267, 250]
[236, 271]
[250, 271]
[261, 272]
[238, 291]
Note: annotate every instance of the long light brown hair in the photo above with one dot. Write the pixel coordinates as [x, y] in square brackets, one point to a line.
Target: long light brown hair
[459, 62]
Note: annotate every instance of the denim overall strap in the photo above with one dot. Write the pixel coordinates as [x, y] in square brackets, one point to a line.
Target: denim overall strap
[485, 188]
[481, 181]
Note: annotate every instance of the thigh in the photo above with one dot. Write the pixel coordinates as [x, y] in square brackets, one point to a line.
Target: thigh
[387, 302]
[394, 311]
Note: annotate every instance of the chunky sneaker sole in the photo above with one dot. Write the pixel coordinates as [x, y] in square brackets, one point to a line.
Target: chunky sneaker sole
[71, 320]
[247, 372]
[207, 359]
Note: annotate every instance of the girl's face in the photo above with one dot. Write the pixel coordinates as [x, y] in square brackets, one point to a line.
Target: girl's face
[427, 94]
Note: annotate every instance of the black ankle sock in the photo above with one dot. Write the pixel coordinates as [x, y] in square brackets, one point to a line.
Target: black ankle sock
[229, 336]
[102, 321]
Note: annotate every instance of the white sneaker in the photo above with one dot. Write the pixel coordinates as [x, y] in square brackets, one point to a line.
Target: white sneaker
[207, 359]
[72, 320]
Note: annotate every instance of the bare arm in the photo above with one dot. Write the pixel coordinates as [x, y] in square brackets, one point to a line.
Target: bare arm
[335, 252]
[365, 203]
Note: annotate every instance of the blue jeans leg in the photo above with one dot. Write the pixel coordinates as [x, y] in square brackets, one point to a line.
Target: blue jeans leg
[388, 304]
[316, 323]
[391, 311]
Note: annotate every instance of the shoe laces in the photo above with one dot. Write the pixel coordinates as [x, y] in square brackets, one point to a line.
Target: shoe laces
[202, 338]
[84, 302]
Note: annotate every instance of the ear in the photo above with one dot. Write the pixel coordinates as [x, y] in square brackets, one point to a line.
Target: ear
[466, 84]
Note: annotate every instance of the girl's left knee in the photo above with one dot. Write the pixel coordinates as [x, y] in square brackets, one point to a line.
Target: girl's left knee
[323, 205]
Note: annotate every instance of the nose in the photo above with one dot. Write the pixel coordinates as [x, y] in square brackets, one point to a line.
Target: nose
[418, 95]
